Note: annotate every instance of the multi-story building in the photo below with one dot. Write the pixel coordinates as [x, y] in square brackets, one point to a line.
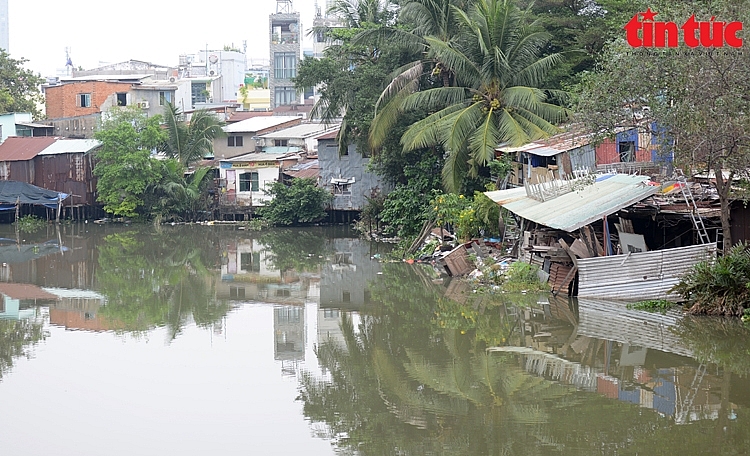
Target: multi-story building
[285, 37]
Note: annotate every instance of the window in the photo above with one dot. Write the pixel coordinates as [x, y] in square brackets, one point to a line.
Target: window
[198, 92]
[84, 100]
[627, 151]
[284, 65]
[122, 99]
[347, 297]
[342, 189]
[250, 261]
[280, 142]
[236, 292]
[164, 98]
[234, 141]
[249, 182]
[285, 95]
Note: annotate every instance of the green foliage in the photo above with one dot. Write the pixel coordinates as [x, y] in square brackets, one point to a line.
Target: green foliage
[190, 141]
[158, 278]
[16, 339]
[175, 197]
[720, 287]
[30, 223]
[654, 305]
[300, 203]
[125, 168]
[486, 90]
[406, 208]
[522, 276]
[19, 87]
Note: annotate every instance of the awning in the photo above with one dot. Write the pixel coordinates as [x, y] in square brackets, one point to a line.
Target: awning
[12, 192]
[571, 211]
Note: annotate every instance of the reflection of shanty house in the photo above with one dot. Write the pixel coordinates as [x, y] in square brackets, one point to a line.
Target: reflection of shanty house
[78, 310]
[289, 333]
[612, 320]
[248, 274]
[18, 300]
[606, 350]
[329, 328]
[344, 279]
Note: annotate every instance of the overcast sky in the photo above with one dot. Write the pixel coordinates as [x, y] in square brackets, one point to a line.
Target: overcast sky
[155, 31]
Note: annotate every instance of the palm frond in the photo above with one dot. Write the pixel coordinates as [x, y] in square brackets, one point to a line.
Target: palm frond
[484, 140]
[427, 132]
[437, 98]
[460, 125]
[454, 170]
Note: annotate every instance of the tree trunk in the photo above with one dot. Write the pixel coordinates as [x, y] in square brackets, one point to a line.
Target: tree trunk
[723, 188]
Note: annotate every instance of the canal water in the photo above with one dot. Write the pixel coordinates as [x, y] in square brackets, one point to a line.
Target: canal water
[195, 340]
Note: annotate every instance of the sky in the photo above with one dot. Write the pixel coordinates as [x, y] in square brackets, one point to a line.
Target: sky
[155, 31]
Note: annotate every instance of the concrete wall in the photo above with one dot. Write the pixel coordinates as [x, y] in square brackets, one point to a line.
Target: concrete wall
[282, 43]
[353, 165]
[343, 281]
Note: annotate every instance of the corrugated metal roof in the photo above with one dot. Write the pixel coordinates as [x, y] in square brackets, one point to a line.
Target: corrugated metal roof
[17, 148]
[330, 135]
[255, 124]
[71, 146]
[639, 276]
[312, 172]
[304, 130]
[554, 145]
[578, 208]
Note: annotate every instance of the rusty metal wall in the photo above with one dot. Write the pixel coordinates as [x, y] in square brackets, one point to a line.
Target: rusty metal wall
[22, 171]
[639, 276]
[69, 173]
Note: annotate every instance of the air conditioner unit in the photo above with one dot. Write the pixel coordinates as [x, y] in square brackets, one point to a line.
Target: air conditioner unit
[143, 105]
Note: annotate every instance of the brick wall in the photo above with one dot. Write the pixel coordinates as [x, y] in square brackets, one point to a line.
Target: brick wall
[62, 101]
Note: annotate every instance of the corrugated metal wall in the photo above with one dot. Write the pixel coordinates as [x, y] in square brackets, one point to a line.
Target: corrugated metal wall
[68, 173]
[638, 276]
[606, 153]
[583, 158]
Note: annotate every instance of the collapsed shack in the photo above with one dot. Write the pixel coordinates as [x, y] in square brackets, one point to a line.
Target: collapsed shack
[611, 235]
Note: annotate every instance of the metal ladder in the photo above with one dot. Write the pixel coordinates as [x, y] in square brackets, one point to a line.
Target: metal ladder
[695, 216]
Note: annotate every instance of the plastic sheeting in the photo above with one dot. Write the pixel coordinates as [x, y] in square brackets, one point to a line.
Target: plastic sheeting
[12, 192]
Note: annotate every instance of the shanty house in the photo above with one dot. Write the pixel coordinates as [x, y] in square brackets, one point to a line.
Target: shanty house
[21, 124]
[243, 137]
[346, 176]
[293, 139]
[53, 163]
[558, 233]
[245, 179]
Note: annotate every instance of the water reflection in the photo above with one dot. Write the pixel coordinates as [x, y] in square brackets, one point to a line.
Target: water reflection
[441, 370]
[388, 358]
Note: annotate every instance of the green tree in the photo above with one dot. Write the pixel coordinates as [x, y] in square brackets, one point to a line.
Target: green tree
[175, 196]
[190, 141]
[19, 87]
[695, 101]
[124, 166]
[299, 203]
[492, 94]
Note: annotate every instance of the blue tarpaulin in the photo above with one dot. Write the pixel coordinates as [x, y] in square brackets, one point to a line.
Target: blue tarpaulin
[14, 192]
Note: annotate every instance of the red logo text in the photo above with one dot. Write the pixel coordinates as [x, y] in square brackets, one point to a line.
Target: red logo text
[643, 31]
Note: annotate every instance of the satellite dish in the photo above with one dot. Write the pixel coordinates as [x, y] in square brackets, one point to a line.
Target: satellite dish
[213, 58]
[293, 27]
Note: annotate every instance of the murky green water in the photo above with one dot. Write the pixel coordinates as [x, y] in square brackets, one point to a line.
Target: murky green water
[203, 340]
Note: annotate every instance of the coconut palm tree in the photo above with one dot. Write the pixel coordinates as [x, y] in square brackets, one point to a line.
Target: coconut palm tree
[355, 13]
[193, 140]
[488, 90]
